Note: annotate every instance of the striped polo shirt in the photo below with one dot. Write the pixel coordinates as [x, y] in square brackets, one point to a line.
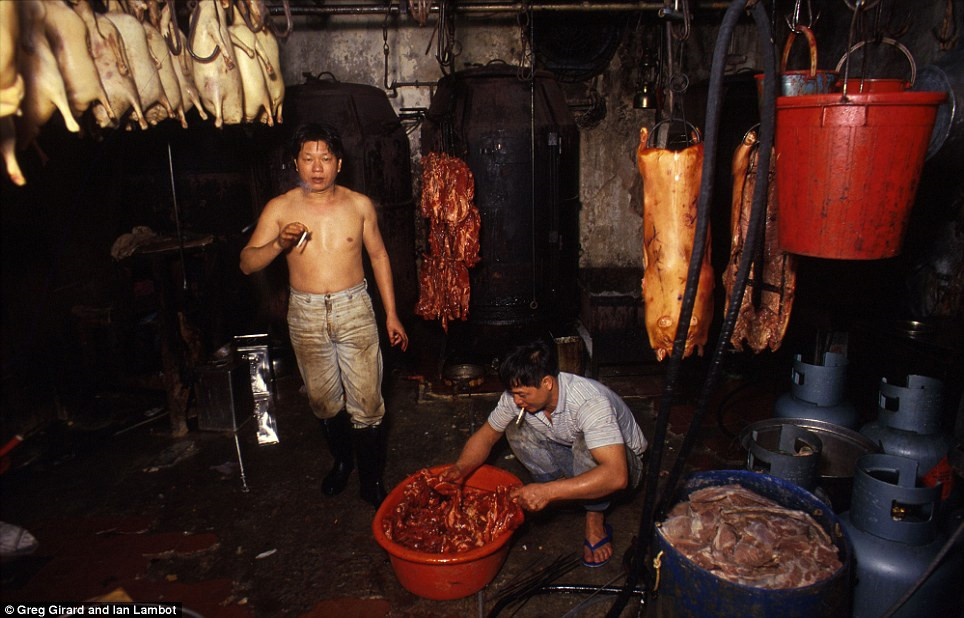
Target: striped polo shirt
[585, 407]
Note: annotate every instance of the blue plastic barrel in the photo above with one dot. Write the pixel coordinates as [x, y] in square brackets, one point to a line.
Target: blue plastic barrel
[686, 589]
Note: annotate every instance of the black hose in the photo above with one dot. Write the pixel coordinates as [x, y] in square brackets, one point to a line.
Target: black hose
[692, 280]
[754, 232]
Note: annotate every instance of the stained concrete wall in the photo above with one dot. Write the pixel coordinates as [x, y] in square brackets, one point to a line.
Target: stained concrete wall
[352, 48]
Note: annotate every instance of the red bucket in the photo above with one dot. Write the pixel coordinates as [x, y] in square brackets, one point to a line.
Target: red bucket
[847, 170]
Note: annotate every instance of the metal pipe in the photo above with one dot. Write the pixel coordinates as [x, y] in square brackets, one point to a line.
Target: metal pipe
[489, 7]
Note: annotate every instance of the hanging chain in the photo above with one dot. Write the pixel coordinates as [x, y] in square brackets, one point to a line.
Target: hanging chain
[526, 57]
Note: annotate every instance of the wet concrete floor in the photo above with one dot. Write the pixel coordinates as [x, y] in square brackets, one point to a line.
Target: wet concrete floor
[118, 506]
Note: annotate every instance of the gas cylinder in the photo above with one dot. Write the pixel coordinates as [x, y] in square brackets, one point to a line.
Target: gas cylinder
[818, 392]
[895, 537]
[908, 425]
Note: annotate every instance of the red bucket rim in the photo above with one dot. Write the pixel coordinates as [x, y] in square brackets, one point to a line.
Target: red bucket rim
[404, 553]
[907, 97]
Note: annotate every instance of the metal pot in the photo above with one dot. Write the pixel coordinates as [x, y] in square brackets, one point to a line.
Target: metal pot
[464, 375]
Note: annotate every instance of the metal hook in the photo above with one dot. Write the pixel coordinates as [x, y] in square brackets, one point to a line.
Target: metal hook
[189, 43]
[289, 23]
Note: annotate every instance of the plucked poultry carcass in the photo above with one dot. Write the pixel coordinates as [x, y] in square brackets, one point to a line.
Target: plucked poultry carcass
[107, 49]
[45, 91]
[671, 186]
[142, 63]
[436, 516]
[8, 149]
[67, 36]
[216, 73]
[448, 189]
[765, 311]
[271, 55]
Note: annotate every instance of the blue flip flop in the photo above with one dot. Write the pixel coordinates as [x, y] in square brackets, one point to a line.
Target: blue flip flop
[606, 539]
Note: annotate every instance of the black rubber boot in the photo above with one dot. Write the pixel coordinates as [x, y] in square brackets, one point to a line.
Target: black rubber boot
[370, 450]
[337, 431]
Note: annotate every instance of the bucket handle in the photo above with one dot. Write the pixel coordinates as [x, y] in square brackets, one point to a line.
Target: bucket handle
[890, 41]
[811, 41]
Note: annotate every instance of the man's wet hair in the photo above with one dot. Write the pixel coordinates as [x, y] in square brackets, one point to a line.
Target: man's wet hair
[315, 132]
[527, 364]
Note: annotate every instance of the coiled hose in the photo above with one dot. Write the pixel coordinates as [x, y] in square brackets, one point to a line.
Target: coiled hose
[755, 226]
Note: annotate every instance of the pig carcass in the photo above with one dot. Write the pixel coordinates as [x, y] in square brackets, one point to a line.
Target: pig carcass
[183, 65]
[142, 63]
[671, 187]
[765, 311]
[11, 82]
[67, 36]
[256, 97]
[165, 70]
[216, 72]
[107, 49]
[44, 89]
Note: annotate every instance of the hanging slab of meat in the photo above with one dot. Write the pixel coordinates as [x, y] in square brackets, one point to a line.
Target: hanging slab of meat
[257, 101]
[45, 91]
[107, 49]
[142, 64]
[743, 537]
[11, 82]
[765, 310]
[671, 186]
[216, 73]
[439, 517]
[67, 36]
[165, 70]
[448, 189]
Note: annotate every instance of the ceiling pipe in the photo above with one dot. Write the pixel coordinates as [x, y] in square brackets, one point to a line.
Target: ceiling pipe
[380, 8]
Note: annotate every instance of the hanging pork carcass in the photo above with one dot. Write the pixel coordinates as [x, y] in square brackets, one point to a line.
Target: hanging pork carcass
[110, 58]
[67, 35]
[256, 99]
[671, 186]
[45, 91]
[216, 72]
[142, 64]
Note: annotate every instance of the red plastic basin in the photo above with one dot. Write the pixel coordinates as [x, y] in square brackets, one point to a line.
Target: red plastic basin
[444, 577]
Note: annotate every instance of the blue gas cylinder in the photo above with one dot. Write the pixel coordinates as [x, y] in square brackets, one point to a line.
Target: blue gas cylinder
[818, 392]
[908, 425]
[891, 525]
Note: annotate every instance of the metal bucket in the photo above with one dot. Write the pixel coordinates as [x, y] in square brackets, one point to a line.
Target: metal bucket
[806, 81]
[842, 448]
[686, 589]
[946, 75]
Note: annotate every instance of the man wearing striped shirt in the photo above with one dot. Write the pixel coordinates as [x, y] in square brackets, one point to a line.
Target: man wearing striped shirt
[576, 437]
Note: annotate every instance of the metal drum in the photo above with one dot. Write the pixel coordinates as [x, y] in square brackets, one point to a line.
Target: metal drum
[841, 448]
[377, 163]
[520, 141]
[686, 589]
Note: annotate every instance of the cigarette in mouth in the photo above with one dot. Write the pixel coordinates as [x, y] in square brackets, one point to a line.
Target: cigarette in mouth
[518, 419]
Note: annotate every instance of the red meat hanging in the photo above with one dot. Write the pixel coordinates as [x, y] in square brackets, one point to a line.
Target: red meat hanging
[448, 189]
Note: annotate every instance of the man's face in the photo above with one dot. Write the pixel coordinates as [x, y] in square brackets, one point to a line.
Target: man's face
[317, 166]
[532, 398]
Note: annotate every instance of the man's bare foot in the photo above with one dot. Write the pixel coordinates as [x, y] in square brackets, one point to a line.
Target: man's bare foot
[598, 547]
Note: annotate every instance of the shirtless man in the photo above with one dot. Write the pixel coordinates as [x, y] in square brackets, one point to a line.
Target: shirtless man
[576, 437]
[321, 227]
